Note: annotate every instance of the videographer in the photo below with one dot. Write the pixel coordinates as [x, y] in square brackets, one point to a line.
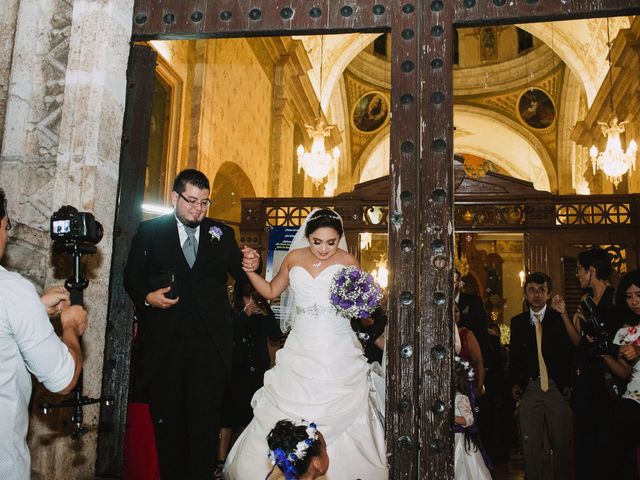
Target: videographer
[593, 394]
[28, 344]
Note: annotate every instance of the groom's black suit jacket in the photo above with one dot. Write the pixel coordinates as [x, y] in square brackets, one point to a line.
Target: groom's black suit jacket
[203, 309]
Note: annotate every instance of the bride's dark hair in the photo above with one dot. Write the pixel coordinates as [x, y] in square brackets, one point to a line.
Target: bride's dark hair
[324, 217]
[285, 436]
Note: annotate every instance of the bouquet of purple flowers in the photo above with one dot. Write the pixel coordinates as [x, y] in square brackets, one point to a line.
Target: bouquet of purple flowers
[354, 293]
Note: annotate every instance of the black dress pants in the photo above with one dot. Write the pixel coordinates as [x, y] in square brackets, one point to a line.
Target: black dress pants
[185, 402]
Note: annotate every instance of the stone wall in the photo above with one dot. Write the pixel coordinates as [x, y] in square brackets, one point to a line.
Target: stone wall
[61, 145]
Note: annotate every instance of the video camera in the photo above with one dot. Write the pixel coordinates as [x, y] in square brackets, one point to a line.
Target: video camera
[68, 225]
[594, 328]
[75, 233]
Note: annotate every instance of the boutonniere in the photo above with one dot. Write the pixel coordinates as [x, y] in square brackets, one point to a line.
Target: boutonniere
[215, 232]
[465, 311]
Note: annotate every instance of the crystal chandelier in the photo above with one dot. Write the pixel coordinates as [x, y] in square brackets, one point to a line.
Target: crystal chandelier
[318, 163]
[613, 161]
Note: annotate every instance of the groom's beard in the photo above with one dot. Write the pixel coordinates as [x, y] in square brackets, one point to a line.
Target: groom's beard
[188, 222]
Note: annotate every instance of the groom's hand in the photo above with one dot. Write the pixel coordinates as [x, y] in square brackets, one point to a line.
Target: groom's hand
[158, 300]
[250, 259]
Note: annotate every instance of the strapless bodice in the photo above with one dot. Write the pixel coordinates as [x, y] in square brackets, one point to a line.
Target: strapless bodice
[313, 312]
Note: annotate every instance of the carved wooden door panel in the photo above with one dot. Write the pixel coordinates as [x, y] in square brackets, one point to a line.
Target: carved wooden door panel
[133, 159]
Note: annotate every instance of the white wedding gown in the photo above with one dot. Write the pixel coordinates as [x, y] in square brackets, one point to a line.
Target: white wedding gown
[320, 376]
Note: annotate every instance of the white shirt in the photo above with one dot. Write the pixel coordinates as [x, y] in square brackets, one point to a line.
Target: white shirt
[27, 344]
[540, 314]
[182, 233]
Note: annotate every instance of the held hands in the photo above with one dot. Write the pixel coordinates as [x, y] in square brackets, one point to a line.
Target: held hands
[253, 309]
[250, 259]
[157, 298]
[55, 299]
[75, 318]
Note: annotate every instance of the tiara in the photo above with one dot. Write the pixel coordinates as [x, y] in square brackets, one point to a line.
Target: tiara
[467, 367]
[329, 215]
[286, 460]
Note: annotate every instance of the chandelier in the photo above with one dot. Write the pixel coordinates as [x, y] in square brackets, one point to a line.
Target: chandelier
[613, 161]
[318, 163]
[381, 274]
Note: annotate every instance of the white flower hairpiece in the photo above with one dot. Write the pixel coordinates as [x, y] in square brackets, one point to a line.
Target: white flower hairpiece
[465, 364]
[278, 455]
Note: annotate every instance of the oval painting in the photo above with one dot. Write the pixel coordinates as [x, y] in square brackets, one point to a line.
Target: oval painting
[371, 112]
[536, 109]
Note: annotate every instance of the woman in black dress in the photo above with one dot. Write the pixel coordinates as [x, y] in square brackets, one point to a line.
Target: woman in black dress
[253, 325]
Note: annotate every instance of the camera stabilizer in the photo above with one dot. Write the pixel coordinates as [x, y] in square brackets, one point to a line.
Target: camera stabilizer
[75, 244]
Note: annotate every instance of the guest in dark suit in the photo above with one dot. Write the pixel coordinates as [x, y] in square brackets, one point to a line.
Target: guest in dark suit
[176, 275]
[539, 371]
[472, 313]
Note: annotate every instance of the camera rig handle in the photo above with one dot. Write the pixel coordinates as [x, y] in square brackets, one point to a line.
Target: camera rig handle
[76, 284]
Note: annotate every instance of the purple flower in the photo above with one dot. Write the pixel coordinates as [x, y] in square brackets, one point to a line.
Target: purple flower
[215, 232]
[346, 304]
[354, 293]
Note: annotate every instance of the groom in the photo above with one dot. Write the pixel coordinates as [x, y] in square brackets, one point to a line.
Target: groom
[176, 274]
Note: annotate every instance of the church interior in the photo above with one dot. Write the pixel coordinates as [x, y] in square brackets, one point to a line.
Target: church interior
[534, 112]
[546, 116]
[530, 103]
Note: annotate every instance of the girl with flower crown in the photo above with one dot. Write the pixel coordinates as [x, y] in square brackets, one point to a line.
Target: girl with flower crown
[321, 372]
[299, 451]
[469, 461]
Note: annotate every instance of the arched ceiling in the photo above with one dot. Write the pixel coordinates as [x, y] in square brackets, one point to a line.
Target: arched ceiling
[582, 45]
[507, 144]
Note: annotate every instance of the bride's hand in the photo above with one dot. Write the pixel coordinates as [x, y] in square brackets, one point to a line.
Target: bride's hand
[250, 259]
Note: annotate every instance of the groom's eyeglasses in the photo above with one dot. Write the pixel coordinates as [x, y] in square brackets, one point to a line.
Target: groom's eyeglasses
[196, 203]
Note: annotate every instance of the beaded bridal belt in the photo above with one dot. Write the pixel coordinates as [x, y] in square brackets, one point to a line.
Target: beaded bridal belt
[315, 309]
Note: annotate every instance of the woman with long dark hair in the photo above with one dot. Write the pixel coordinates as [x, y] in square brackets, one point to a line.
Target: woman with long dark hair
[625, 422]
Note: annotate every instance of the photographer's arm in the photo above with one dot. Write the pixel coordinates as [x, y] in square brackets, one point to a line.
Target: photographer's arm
[619, 367]
[74, 324]
[55, 299]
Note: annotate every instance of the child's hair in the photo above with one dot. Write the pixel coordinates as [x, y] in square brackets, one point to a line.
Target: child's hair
[291, 447]
[463, 375]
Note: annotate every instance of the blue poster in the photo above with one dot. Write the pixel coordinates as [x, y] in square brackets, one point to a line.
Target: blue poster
[280, 239]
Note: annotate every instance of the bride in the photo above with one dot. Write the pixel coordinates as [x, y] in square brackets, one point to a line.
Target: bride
[321, 374]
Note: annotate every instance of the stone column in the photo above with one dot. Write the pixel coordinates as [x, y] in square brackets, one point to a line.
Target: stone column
[8, 18]
[62, 146]
[281, 163]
